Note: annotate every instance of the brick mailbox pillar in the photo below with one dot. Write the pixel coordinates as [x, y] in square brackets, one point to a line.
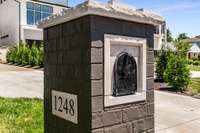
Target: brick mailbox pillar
[99, 70]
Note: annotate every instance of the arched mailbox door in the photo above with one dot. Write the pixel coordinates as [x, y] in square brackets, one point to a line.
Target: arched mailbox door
[125, 75]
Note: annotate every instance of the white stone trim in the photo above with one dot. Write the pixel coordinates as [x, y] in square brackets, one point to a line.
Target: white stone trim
[106, 10]
[140, 95]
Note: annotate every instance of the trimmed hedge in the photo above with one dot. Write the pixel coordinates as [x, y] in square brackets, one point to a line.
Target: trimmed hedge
[194, 62]
[24, 55]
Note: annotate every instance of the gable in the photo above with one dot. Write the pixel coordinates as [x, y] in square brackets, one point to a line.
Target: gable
[195, 48]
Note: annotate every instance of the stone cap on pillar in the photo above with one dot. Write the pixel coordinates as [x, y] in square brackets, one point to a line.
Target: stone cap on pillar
[112, 10]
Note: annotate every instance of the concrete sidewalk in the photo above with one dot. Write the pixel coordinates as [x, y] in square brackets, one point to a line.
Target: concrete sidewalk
[195, 74]
[20, 82]
[176, 114]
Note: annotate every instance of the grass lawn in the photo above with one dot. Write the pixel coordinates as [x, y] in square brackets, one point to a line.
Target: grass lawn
[194, 87]
[194, 68]
[21, 115]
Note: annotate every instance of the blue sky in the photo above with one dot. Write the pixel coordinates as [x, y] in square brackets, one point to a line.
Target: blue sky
[181, 15]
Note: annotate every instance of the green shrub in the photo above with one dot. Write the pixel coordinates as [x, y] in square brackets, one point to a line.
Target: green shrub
[177, 73]
[14, 55]
[196, 62]
[34, 58]
[11, 55]
[41, 56]
[22, 54]
[190, 62]
[161, 63]
[195, 59]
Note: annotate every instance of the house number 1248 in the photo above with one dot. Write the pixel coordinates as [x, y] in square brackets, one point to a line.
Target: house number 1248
[64, 105]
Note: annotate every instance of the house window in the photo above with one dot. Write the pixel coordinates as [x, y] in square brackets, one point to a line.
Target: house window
[163, 28]
[157, 29]
[37, 12]
[37, 43]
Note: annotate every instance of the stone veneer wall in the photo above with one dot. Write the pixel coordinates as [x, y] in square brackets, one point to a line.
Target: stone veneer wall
[74, 64]
[130, 118]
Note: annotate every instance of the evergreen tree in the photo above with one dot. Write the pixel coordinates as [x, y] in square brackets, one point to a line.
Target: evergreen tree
[169, 36]
[161, 63]
[177, 73]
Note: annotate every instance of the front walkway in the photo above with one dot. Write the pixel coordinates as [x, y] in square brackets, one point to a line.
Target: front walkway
[176, 113]
[20, 82]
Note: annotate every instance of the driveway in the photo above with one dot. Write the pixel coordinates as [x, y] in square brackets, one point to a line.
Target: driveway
[20, 82]
[176, 113]
[173, 113]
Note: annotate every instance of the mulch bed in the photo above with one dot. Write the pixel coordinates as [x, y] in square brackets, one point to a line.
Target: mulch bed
[26, 66]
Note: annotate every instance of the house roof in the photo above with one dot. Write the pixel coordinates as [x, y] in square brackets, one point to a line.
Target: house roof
[198, 36]
[193, 40]
[195, 48]
[115, 10]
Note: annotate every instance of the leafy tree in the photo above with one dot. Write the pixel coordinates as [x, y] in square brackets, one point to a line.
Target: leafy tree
[182, 36]
[177, 73]
[169, 36]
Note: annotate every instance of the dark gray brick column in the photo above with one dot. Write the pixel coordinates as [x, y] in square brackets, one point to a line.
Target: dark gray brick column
[74, 63]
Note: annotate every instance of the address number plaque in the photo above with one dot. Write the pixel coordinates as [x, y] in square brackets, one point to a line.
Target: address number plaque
[65, 106]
